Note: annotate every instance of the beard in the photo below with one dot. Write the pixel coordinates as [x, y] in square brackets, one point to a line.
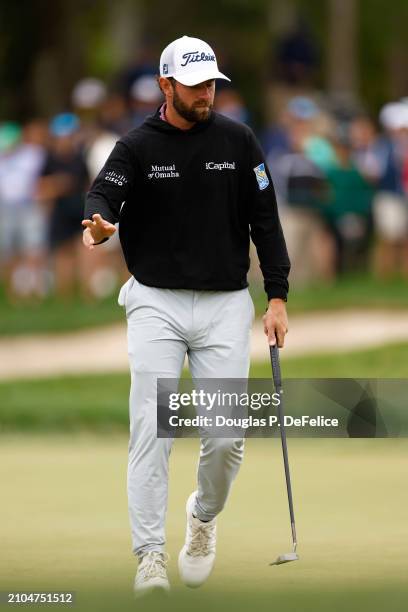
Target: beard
[195, 113]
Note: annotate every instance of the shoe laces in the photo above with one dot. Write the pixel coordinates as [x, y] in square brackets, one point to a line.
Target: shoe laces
[153, 565]
[202, 539]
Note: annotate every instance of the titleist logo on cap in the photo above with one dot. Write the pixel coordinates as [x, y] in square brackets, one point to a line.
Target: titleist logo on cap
[196, 56]
[190, 61]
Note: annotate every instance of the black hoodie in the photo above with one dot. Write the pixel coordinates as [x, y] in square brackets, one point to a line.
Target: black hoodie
[191, 200]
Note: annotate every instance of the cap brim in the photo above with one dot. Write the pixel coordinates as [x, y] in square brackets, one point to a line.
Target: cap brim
[199, 77]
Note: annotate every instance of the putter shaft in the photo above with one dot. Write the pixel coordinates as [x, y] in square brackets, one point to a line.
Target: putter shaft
[277, 380]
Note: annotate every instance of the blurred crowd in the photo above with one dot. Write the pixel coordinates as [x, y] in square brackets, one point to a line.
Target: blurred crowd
[341, 181]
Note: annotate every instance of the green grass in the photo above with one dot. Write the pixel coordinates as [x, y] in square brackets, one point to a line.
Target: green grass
[389, 361]
[353, 291]
[53, 316]
[100, 402]
[65, 525]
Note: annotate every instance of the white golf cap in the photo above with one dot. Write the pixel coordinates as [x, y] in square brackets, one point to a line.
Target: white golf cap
[190, 61]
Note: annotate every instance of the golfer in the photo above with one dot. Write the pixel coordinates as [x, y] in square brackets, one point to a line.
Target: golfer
[189, 188]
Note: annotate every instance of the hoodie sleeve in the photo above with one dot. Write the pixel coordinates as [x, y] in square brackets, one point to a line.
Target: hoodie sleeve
[112, 185]
[265, 227]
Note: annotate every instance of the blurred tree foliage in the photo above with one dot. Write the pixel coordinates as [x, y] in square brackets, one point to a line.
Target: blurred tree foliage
[45, 46]
[44, 49]
[383, 50]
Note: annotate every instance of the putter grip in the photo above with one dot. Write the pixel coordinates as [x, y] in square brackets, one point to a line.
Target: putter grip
[276, 371]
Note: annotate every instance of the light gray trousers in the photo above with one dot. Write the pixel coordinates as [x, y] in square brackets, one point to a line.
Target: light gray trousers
[213, 328]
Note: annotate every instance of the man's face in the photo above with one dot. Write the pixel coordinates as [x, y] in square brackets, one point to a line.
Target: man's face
[194, 103]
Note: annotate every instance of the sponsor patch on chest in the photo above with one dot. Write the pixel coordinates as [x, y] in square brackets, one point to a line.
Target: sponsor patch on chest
[162, 172]
[220, 165]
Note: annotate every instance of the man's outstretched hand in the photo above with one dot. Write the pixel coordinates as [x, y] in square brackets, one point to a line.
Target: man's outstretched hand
[275, 322]
[96, 230]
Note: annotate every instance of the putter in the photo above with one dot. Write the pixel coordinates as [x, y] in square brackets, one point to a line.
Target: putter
[277, 381]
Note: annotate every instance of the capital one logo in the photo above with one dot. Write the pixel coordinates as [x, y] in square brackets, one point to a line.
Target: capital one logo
[196, 56]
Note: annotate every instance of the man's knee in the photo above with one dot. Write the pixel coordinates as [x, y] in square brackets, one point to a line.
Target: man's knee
[227, 448]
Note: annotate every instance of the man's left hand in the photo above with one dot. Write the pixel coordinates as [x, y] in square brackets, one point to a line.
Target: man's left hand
[275, 322]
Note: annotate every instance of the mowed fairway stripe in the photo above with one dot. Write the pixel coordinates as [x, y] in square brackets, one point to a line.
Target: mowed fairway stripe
[64, 517]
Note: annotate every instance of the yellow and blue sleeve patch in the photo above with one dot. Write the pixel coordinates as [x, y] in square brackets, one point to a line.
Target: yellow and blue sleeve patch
[261, 176]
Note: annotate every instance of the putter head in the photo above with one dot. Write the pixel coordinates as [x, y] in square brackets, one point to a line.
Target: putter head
[286, 558]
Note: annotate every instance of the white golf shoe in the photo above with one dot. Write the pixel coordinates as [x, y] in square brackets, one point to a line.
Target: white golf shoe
[151, 574]
[197, 557]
